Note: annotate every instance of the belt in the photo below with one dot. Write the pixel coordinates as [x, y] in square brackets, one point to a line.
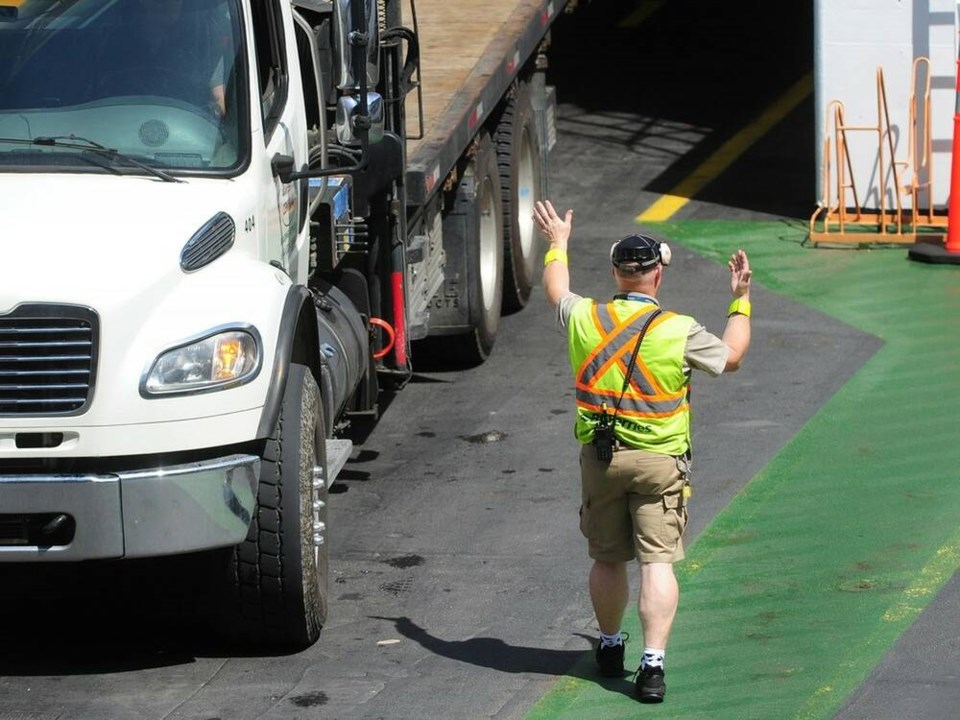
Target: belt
[619, 445]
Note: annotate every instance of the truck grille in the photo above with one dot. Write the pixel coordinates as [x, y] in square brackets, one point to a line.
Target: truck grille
[48, 359]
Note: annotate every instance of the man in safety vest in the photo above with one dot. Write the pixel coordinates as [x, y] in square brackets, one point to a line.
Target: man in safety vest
[632, 363]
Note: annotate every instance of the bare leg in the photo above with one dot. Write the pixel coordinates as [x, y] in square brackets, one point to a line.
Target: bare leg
[659, 597]
[610, 593]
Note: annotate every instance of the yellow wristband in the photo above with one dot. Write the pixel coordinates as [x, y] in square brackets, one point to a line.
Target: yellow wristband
[555, 254]
[739, 306]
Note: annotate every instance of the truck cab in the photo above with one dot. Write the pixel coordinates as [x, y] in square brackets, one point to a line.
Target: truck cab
[218, 240]
[170, 373]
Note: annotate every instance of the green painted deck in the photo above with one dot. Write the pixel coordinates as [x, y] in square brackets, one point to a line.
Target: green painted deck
[818, 565]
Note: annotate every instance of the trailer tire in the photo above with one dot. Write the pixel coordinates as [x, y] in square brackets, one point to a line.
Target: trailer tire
[519, 162]
[484, 260]
[277, 579]
[473, 242]
[486, 275]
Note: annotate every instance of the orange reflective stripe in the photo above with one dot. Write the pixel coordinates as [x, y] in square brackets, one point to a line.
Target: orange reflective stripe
[597, 322]
[610, 362]
[598, 349]
[607, 340]
[644, 396]
[628, 413]
[656, 391]
[637, 402]
[608, 321]
[652, 388]
[606, 337]
[641, 407]
[683, 406]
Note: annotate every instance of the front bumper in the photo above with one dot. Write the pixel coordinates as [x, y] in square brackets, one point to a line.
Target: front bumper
[144, 513]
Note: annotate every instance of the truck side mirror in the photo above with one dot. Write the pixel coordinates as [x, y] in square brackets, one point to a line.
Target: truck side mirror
[354, 32]
[351, 123]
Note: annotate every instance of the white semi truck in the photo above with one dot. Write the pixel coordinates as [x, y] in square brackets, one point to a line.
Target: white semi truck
[225, 226]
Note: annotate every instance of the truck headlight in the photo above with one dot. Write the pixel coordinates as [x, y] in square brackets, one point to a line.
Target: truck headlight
[223, 359]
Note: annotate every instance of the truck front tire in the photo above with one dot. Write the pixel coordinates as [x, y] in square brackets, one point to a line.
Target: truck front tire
[277, 582]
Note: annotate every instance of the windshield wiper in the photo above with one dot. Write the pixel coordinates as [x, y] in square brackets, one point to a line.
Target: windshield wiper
[73, 142]
[82, 143]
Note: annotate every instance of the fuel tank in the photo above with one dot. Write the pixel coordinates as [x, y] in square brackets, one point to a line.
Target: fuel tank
[344, 345]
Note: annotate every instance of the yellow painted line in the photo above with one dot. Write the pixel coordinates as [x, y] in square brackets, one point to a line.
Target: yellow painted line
[902, 613]
[646, 9]
[664, 208]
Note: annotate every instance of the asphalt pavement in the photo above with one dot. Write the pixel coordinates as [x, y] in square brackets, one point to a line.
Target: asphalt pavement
[459, 574]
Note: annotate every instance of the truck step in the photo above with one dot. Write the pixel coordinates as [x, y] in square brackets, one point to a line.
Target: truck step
[338, 452]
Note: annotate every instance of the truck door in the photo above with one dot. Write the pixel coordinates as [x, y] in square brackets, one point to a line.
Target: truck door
[281, 102]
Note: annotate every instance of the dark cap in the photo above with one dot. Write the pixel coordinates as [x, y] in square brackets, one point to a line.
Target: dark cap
[640, 249]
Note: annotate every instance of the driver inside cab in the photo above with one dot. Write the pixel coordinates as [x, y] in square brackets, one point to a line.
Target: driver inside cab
[167, 48]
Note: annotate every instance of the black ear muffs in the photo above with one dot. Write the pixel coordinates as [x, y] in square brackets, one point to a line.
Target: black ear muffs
[640, 249]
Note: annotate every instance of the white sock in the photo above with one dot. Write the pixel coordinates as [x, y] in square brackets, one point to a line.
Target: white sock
[652, 657]
[611, 640]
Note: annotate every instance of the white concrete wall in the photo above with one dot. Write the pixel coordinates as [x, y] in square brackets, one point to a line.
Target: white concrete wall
[852, 38]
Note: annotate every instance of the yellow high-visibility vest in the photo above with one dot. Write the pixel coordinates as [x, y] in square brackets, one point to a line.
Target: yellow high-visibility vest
[655, 412]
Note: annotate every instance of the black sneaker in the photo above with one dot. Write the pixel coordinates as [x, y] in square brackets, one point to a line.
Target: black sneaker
[610, 660]
[650, 685]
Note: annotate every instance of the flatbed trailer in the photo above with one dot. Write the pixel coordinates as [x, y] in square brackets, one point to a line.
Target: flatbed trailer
[470, 55]
[477, 122]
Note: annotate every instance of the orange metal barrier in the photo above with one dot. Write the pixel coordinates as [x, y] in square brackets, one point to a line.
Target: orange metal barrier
[840, 217]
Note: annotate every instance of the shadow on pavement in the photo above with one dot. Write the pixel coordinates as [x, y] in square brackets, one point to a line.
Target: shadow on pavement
[105, 617]
[495, 654]
[675, 87]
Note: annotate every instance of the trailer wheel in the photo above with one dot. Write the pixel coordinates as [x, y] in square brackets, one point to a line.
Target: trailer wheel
[518, 159]
[278, 577]
[486, 259]
[474, 250]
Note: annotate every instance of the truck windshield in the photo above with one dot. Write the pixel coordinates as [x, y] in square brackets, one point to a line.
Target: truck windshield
[159, 81]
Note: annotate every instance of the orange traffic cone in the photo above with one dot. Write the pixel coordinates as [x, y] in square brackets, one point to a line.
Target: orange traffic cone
[949, 252]
[953, 209]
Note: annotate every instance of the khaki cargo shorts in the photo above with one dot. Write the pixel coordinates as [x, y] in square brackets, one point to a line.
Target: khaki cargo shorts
[633, 506]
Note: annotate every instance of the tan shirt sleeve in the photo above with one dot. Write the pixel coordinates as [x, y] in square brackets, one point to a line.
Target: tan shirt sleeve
[564, 308]
[705, 351]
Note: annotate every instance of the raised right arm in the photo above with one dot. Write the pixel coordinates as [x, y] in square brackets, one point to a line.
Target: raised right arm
[556, 273]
